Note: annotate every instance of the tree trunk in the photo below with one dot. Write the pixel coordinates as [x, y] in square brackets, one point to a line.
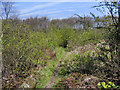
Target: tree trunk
[119, 16]
[118, 30]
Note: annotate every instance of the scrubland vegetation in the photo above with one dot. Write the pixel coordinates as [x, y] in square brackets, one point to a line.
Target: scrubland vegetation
[32, 48]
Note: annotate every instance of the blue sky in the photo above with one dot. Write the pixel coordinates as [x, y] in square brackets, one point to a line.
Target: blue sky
[54, 10]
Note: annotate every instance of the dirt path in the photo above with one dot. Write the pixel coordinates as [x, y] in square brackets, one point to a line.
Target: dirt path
[52, 80]
[76, 51]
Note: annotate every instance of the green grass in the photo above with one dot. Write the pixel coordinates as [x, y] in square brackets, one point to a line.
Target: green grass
[47, 72]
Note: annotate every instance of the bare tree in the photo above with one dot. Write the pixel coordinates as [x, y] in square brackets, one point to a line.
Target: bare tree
[7, 9]
[113, 10]
[85, 21]
[119, 15]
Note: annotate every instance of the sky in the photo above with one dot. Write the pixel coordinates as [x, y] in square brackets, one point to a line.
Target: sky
[55, 10]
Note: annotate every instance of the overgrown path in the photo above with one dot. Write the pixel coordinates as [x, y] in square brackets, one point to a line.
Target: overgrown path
[66, 55]
[52, 80]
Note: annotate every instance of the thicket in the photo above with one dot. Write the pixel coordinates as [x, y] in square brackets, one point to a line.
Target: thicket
[106, 62]
[31, 42]
[24, 48]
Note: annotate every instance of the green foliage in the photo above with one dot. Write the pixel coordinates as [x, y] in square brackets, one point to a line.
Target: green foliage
[24, 48]
[15, 45]
[107, 63]
[89, 36]
[62, 36]
[107, 85]
[77, 63]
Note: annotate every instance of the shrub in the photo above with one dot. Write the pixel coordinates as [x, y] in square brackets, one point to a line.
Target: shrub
[79, 63]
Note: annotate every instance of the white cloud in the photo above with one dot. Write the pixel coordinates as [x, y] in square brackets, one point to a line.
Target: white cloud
[43, 12]
[37, 7]
[57, 0]
[58, 11]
